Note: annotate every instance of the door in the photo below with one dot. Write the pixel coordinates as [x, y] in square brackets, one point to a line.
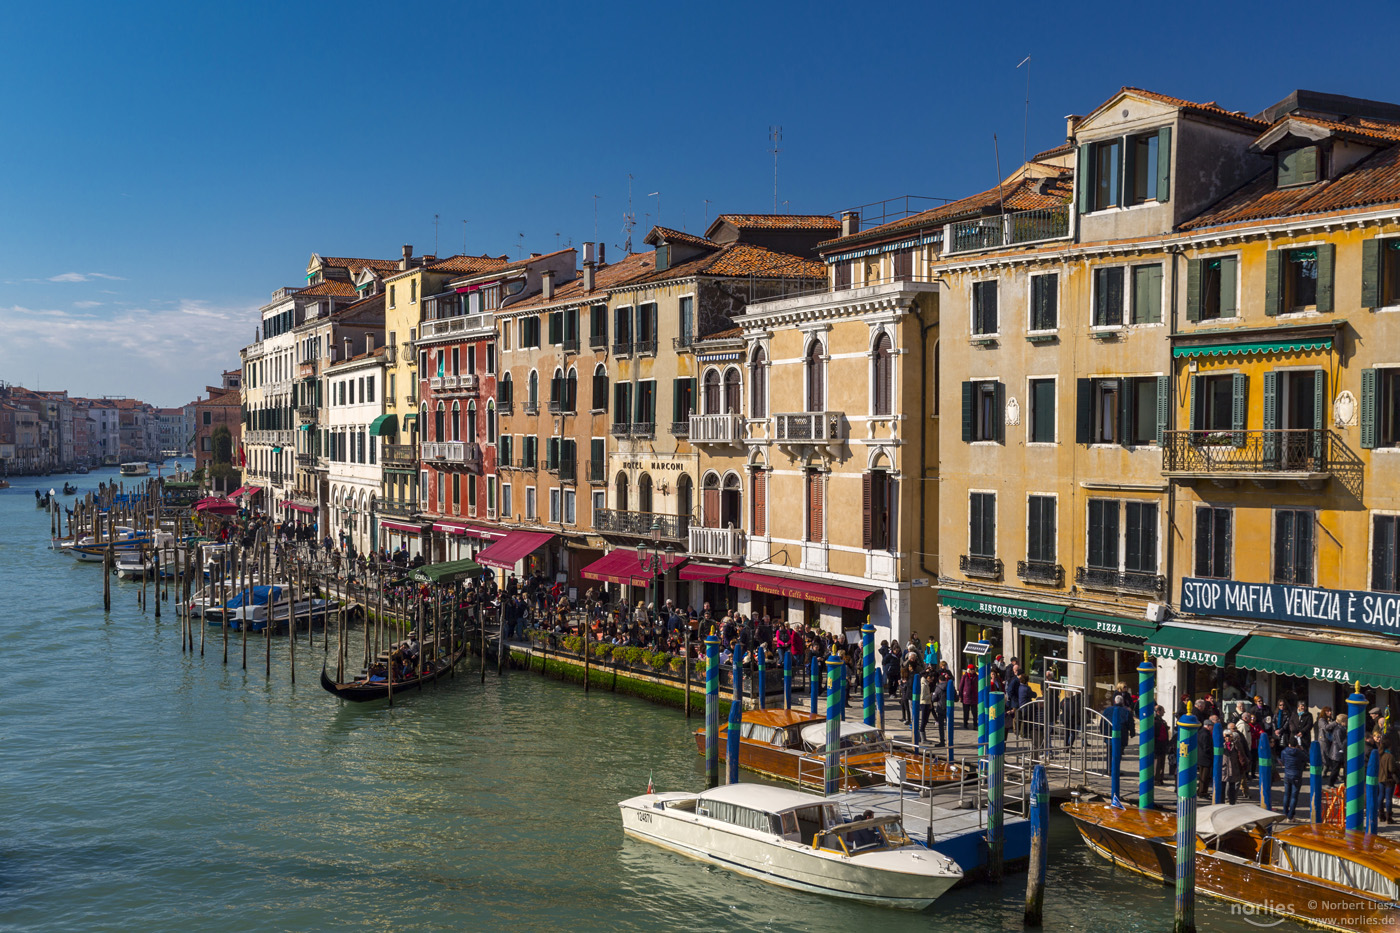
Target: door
[1300, 420]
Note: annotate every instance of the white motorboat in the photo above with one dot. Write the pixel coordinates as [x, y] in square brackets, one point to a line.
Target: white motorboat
[135, 468]
[131, 564]
[796, 840]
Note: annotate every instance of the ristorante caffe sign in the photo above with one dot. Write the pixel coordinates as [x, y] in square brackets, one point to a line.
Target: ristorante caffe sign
[1297, 605]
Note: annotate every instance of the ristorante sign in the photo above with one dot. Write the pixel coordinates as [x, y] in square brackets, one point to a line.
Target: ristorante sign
[1298, 605]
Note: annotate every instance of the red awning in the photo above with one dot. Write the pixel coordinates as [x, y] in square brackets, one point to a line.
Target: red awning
[621, 566]
[847, 597]
[453, 528]
[401, 526]
[216, 505]
[705, 573]
[308, 509]
[505, 552]
[244, 491]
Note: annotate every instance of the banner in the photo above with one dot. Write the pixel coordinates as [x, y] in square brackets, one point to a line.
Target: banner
[1306, 606]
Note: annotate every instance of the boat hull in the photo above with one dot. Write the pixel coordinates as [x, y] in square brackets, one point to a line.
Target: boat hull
[366, 693]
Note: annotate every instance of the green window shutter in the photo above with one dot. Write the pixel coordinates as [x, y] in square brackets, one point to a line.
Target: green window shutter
[1193, 289]
[1273, 292]
[1369, 422]
[1084, 411]
[969, 412]
[1270, 417]
[1147, 295]
[1164, 408]
[1127, 400]
[1238, 410]
[1305, 166]
[1326, 266]
[595, 449]
[1128, 175]
[1164, 163]
[1371, 273]
[1194, 423]
[999, 416]
[676, 399]
[1229, 279]
[1083, 182]
[1319, 412]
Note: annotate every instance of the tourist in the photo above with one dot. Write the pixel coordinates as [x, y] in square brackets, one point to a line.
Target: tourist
[1386, 776]
[1232, 764]
[1163, 746]
[1334, 744]
[906, 686]
[1295, 765]
[1205, 758]
[967, 693]
[1300, 723]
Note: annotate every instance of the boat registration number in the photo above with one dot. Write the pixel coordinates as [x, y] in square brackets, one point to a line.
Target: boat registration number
[643, 817]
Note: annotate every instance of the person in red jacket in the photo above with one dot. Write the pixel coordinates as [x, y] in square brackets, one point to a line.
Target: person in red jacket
[967, 692]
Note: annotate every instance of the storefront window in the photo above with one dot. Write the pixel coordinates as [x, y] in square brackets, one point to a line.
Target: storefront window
[1111, 666]
[1035, 648]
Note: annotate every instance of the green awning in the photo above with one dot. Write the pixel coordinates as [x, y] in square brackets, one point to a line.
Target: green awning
[1116, 626]
[277, 450]
[1319, 660]
[384, 426]
[999, 607]
[1261, 346]
[446, 572]
[303, 427]
[1194, 645]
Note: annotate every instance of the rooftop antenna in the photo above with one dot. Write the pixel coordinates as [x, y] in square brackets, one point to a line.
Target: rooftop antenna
[707, 213]
[657, 195]
[629, 219]
[996, 151]
[464, 236]
[775, 136]
[1026, 121]
[520, 246]
[435, 233]
[595, 218]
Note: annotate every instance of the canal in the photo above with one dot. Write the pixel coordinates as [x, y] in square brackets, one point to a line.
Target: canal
[146, 789]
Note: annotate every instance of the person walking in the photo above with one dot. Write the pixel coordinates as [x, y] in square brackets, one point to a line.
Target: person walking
[967, 693]
[906, 686]
[1233, 764]
[1386, 775]
[1295, 766]
[1334, 744]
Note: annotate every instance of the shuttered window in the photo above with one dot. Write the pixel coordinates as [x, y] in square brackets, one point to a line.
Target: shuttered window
[1045, 302]
[682, 399]
[816, 378]
[556, 328]
[1380, 273]
[1042, 413]
[598, 325]
[816, 512]
[600, 391]
[1108, 297]
[1297, 167]
[877, 498]
[882, 375]
[1140, 537]
[984, 308]
[758, 384]
[1385, 553]
[646, 402]
[759, 524]
[1040, 529]
[982, 524]
[1293, 546]
[984, 411]
[1103, 534]
[1213, 542]
[1211, 286]
[622, 403]
[1147, 294]
[842, 274]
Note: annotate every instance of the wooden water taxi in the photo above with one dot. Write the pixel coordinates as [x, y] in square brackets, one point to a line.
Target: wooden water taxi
[1317, 874]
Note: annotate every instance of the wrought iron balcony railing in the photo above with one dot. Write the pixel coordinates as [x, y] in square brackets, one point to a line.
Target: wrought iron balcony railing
[1032, 226]
[811, 426]
[400, 455]
[396, 509]
[1121, 581]
[622, 348]
[680, 429]
[1040, 571]
[598, 472]
[641, 524]
[1211, 453]
[597, 341]
[974, 566]
[645, 347]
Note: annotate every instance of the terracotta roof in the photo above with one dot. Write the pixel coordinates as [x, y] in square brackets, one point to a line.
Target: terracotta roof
[743, 260]
[328, 287]
[1373, 181]
[657, 234]
[463, 265]
[1051, 153]
[1211, 108]
[781, 221]
[355, 265]
[632, 267]
[726, 334]
[1366, 130]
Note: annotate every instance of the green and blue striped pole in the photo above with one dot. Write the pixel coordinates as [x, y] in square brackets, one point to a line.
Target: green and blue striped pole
[1185, 914]
[867, 651]
[1266, 772]
[1315, 780]
[831, 777]
[1373, 791]
[914, 710]
[996, 738]
[787, 679]
[1040, 843]
[814, 678]
[711, 710]
[759, 660]
[1217, 763]
[880, 695]
[984, 678]
[736, 714]
[1356, 748]
[1147, 732]
[843, 689]
[1115, 754]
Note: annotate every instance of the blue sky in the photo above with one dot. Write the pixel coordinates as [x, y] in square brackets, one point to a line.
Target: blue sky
[165, 167]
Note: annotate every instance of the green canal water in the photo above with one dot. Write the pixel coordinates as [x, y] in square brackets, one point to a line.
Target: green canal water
[145, 789]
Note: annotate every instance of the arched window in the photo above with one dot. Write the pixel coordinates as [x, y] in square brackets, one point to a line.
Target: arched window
[712, 392]
[731, 502]
[882, 375]
[732, 397]
[685, 497]
[644, 493]
[471, 421]
[490, 421]
[620, 498]
[556, 391]
[422, 425]
[532, 391]
[571, 390]
[710, 501]
[439, 425]
[600, 388]
[815, 373]
[759, 499]
[456, 421]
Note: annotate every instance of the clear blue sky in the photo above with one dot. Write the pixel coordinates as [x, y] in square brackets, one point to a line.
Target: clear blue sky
[164, 167]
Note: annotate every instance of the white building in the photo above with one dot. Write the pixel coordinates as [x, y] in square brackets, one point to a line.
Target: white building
[354, 400]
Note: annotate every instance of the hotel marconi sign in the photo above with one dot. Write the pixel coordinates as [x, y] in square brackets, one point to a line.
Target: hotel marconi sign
[1297, 605]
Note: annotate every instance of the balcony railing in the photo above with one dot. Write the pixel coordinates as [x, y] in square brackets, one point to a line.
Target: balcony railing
[567, 471]
[620, 429]
[645, 347]
[680, 429]
[397, 509]
[462, 324]
[400, 455]
[598, 472]
[532, 408]
[571, 344]
[642, 429]
[683, 342]
[307, 461]
[721, 543]
[528, 464]
[1212, 453]
[811, 426]
[986, 567]
[1121, 581]
[722, 429]
[640, 524]
[1033, 226]
[1040, 571]
[597, 341]
[306, 412]
[505, 408]
[622, 348]
[452, 451]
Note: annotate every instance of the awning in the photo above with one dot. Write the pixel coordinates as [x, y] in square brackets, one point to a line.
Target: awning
[216, 505]
[289, 504]
[507, 551]
[401, 526]
[1194, 645]
[454, 528]
[408, 418]
[1319, 660]
[1110, 625]
[1258, 346]
[705, 573]
[622, 566]
[244, 491]
[445, 572]
[303, 427]
[999, 607]
[847, 597]
[384, 426]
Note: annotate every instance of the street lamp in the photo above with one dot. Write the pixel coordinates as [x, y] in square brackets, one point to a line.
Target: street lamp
[653, 560]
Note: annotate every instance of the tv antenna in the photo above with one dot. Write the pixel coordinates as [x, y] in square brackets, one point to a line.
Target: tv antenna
[775, 136]
[707, 213]
[464, 236]
[1026, 120]
[435, 233]
[520, 246]
[629, 219]
[595, 218]
[657, 195]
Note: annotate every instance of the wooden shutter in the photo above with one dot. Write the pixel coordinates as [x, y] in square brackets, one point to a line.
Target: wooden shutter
[1271, 419]
[1164, 409]
[1127, 400]
[1083, 183]
[969, 411]
[1239, 383]
[1084, 411]
[974, 523]
[1273, 285]
[1193, 289]
[555, 327]
[999, 414]
[1229, 278]
[891, 511]
[816, 518]
[1369, 421]
[1147, 300]
[1164, 163]
[1326, 269]
[1193, 416]
[1319, 411]
[760, 502]
[1034, 529]
[1305, 166]
[1371, 273]
[867, 536]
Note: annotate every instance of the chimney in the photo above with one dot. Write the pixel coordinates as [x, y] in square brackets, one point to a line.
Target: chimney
[850, 223]
[347, 348]
[536, 255]
[407, 259]
[547, 283]
[1071, 124]
[369, 343]
[588, 275]
[588, 252]
[601, 260]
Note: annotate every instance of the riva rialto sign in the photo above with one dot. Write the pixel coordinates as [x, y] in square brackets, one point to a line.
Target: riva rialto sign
[1300, 605]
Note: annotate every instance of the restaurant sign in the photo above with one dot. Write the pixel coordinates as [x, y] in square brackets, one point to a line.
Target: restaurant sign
[1297, 605]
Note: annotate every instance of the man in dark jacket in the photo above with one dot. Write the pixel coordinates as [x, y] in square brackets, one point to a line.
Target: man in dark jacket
[1295, 765]
[1300, 724]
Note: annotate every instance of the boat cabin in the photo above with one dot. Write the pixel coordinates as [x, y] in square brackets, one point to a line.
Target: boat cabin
[873, 835]
[795, 816]
[853, 735]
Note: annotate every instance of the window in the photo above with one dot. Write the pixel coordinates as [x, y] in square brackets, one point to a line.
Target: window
[982, 524]
[530, 503]
[532, 390]
[570, 506]
[815, 373]
[712, 392]
[758, 484]
[1380, 408]
[1140, 537]
[1040, 529]
[505, 448]
[471, 360]
[1045, 302]
[507, 500]
[529, 332]
[1147, 293]
[1131, 411]
[369, 388]
[1385, 553]
[555, 505]
[1140, 182]
[598, 326]
[556, 328]
[879, 511]
[1103, 161]
[1217, 406]
[1108, 297]
[1211, 285]
[686, 323]
[882, 375]
[984, 407]
[208, 417]
[622, 404]
[490, 358]
[1213, 542]
[1299, 279]
[1297, 166]
[1042, 411]
[1103, 534]
[457, 493]
[758, 384]
[600, 502]
[646, 402]
[412, 291]
[622, 329]
[1380, 273]
[600, 389]
[984, 308]
[505, 389]
[1293, 546]
[1126, 171]
[391, 295]
[816, 514]
[682, 400]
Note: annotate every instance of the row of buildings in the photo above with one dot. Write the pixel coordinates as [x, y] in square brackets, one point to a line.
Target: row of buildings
[1143, 396]
[51, 431]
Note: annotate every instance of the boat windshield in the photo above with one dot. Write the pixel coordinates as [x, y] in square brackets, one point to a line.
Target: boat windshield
[865, 836]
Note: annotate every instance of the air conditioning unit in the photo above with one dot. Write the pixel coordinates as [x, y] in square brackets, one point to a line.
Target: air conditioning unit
[1156, 612]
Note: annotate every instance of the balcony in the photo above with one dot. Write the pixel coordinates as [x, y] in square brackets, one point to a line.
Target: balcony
[720, 543]
[397, 509]
[680, 429]
[400, 455]
[505, 408]
[1040, 571]
[722, 429]
[597, 341]
[622, 348]
[1016, 228]
[567, 470]
[683, 343]
[532, 408]
[306, 461]
[808, 429]
[645, 347]
[462, 324]
[642, 429]
[464, 384]
[640, 524]
[598, 472]
[555, 406]
[464, 452]
[987, 568]
[528, 464]
[1129, 582]
[306, 413]
[1306, 456]
[620, 429]
[571, 344]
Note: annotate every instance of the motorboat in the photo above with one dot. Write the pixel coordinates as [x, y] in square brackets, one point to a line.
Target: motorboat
[795, 840]
[1318, 874]
[132, 564]
[122, 538]
[135, 468]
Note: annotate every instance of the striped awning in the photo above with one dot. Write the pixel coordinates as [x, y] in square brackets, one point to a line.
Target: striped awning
[1260, 346]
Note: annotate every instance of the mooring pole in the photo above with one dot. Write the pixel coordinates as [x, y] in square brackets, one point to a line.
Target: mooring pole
[831, 773]
[1147, 732]
[1315, 780]
[1266, 772]
[996, 772]
[814, 681]
[1356, 748]
[711, 711]
[736, 715]
[1373, 795]
[787, 678]
[1040, 841]
[1217, 762]
[867, 652]
[1185, 913]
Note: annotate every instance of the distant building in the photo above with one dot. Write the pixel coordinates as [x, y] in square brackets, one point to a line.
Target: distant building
[222, 409]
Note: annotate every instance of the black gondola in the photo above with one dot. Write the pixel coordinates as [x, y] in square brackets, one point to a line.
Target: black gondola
[362, 692]
[69, 489]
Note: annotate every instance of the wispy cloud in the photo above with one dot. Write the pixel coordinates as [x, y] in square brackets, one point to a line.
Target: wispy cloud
[84, 305]
[84, 277]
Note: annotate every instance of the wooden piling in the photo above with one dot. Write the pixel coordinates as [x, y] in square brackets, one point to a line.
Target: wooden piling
[1040, 841]
[243, 624]
[156, 566]
[107, 578]
[292, 626]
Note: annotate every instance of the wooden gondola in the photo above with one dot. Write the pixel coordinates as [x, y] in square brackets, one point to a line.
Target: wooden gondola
[362, 692]
[69, 489]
